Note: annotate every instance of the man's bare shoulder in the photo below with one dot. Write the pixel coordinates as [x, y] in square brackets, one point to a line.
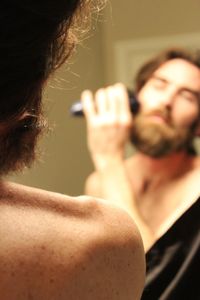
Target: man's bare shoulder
[59, 247]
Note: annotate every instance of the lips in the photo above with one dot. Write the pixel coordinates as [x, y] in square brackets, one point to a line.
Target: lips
[158, 117]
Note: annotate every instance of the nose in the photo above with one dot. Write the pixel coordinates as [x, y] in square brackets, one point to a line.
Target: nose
[161, 99]
[167, 98]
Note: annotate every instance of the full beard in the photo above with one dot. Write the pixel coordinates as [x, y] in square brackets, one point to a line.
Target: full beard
[158, 140]
[18, 146]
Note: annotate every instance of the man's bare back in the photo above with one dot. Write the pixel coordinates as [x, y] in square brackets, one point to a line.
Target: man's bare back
[58, 247]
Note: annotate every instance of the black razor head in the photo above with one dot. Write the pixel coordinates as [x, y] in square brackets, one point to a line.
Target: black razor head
[134, 104]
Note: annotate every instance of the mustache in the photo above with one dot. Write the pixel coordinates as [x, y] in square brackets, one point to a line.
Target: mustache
[160, 112]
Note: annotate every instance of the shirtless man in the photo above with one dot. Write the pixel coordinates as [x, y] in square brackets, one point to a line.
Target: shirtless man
[159, 185]
[53, 247]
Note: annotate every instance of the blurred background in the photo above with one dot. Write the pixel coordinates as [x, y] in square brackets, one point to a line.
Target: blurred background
[124, 35]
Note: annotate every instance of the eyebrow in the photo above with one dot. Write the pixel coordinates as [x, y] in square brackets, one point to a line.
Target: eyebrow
[194, 92]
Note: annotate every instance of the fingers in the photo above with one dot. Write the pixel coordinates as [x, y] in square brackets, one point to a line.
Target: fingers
[101, 102]
[111, 104]
[109, 120]
[88, 104]
[123, 106]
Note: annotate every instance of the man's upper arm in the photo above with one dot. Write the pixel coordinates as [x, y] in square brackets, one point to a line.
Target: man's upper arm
[119, 269]
[109, 264]
[113, 265]
[97, 254]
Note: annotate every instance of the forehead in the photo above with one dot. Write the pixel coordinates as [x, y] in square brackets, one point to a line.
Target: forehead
[180, 72]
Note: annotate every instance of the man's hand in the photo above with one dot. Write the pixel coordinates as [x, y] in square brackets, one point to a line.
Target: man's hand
[109, 120]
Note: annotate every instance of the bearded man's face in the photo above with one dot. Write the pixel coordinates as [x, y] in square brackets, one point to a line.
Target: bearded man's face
[169, 114]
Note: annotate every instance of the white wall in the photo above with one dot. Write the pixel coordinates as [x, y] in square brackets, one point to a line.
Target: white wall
[139, 19]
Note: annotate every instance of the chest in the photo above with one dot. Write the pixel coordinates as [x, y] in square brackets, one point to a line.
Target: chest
[159, 205]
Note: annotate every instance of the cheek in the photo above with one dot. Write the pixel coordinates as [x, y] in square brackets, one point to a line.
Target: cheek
[147, 100]
[185, 115]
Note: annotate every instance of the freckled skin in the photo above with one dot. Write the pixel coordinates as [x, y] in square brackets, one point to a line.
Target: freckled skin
[57, 247]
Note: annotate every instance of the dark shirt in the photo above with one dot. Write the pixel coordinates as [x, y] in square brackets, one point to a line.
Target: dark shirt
[173, 262]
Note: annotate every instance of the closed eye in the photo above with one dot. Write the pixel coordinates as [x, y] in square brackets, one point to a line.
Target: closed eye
[158, 82]
[190, 96]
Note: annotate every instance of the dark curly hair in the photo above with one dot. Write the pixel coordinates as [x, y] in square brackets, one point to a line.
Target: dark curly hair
[36, 37]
